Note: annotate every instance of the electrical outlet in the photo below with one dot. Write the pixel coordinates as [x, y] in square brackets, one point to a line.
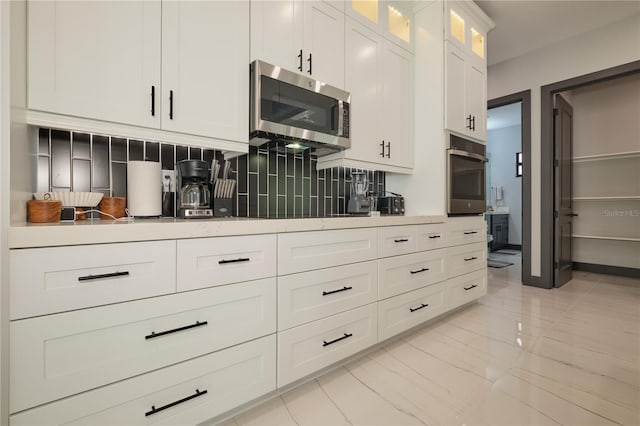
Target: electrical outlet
[169, 181]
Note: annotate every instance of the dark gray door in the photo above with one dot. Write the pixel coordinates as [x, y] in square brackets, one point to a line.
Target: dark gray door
[563, 207]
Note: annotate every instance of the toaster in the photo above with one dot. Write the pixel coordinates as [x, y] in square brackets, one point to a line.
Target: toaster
[391, 205]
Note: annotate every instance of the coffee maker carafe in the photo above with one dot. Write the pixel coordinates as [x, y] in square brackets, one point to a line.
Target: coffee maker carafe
[194, 197]
[358, 201]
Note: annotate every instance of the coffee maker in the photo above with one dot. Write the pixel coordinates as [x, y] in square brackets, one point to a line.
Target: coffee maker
[359, 203]
[194, 197]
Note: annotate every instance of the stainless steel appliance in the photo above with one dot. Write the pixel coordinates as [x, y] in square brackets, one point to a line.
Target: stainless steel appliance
[290, 110]
[194, 197]
[391, 205]
[465, 176]
[359, 202]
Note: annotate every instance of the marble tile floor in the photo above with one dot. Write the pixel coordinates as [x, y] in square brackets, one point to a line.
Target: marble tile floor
[519, 356]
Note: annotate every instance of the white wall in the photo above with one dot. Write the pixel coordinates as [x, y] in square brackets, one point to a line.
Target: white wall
[609, 46]
[502, 145]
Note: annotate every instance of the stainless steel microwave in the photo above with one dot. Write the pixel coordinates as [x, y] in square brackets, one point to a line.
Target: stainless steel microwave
[465, 176]
[293, 110]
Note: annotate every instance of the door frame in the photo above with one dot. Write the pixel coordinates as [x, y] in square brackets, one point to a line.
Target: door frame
[547, 237]
[525, 122]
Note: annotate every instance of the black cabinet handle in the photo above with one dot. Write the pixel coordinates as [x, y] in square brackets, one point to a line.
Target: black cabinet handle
[345, 288]
[346, 336]
[431, 237]
[155, 410]
[470, 258]
[422, 305]
[419, 270]
[240, 259]
[469, 288]
[388, 149]
[572, 214]
[170, 104]
[153, 334]
[470, 232]
[310, 60]
[473, 123]
[300, 60]
[382, 146]
[153, 101]
[468, 120]
[401, 240]
[102, 276]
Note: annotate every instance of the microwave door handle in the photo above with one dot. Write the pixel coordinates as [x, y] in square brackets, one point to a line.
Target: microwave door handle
[340, 118]
[459, 153]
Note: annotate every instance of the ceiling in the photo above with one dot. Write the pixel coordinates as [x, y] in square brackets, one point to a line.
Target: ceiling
[504, 116]
[525, 25]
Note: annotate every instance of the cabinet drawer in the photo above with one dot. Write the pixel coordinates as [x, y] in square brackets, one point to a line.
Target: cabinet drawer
[400, 274]
[396, 240]
[59, 355]
[402, 312]
[56, 279]
[206, 262]
[467, 287]
[229, 377]
[309, 296]
[466, 231]
[310, 347]
[429, 237]
[467, 258]
[306, 251]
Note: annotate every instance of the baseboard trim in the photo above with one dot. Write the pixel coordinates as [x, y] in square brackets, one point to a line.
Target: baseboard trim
[607, 269]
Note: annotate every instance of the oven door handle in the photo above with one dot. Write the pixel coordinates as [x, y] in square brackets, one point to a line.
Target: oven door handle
[478, 157]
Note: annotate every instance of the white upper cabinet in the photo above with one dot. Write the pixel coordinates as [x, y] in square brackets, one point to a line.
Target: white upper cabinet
[466, 28]
[303, 36]
[390, 19]
[205, 68]
[164, 65]
[98, 60]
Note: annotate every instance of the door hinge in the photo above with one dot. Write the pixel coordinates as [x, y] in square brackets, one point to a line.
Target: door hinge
[556, 163]
[555, 214]
[556, 111]
[555, 265]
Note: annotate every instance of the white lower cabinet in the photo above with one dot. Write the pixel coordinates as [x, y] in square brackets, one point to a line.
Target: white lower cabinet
[308, 348]
[312, 295]
[400, 274]
[466, 258]
[402, 312]
[60, 355]
[190, 392]
[467, 287]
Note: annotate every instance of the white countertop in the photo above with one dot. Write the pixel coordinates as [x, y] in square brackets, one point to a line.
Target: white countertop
[95, 231]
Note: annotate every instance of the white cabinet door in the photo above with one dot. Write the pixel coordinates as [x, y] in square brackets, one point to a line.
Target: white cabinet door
[466, 258]
[397, 105]
[456, 115]
[400, 274]
[205, 68]
[98, 59]
[476, 99]
[323, 47]
[275, 33]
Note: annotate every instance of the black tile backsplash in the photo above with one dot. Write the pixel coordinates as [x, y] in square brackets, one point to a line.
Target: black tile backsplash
[268, 183]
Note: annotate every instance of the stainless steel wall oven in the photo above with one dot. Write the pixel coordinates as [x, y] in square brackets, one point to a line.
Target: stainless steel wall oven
[465, 176]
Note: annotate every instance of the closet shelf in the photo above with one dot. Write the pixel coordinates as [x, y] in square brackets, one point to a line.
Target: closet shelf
[622, 198]
[613, 156]
[602, 237]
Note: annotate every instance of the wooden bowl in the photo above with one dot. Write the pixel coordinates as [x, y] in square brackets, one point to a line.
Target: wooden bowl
[44, 211]
[114, 206]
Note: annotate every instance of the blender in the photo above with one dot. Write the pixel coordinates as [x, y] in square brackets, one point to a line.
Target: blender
[359, 203]
[194, 198]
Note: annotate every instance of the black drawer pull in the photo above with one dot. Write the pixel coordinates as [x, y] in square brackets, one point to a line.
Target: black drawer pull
[470, 258]
[419, 270]
[469, 288]
[470, 232]
[175, 330]
[346, 336]
[422, 305]
[240, 259]
[325, 293]
[402, 240]
[431, 237]
[155, 410]
[101, 276]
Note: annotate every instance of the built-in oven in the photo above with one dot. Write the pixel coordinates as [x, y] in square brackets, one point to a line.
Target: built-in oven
[465, 176]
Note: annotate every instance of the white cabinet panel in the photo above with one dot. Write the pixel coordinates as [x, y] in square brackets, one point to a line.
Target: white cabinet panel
[466, 258]
[466, 288]
[309, 296]
[59, 355]
[206, 262]
[402, 312]
[310, 347]
[466, 231]
[217, 383]
[400, 274]
[429, 237]
[396, 240]
[56, 279]
[275, 33]
[324, 43]
[456, 111]
[306, 251]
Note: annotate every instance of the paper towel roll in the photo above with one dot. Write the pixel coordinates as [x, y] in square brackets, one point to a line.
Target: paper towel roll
[144, 188]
